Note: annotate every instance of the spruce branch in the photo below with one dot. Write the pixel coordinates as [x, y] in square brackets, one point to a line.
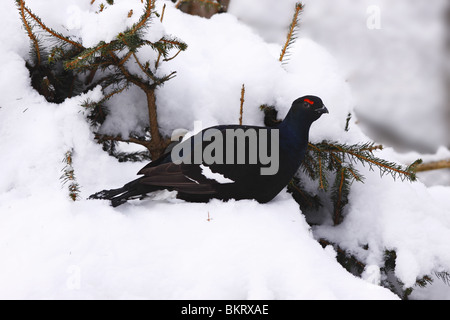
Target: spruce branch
[47, 77]
[29, 30]
[363, 153]
[327, 158]
[444, 276]
[86, 58]
[97, 114]
[119, 88]
[107, 65]
[424, 281]
[392, 282]
[174, 56]
[68, 176]
[143, 21]
[138, 156]
[102, 138]
[306, 200]
[158, 59]
[389, 279]
[339, 159]
[164, 45]
[293, 28]
[349, 261]
[145, 69]
[323, 185]
[52, 32]
[340, 193]
[310, 166]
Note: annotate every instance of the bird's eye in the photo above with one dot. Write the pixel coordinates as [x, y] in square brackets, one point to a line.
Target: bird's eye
[306, 105]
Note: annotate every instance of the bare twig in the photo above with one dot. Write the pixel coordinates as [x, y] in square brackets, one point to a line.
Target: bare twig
[435, 165]
[241, 112]
[162, 13]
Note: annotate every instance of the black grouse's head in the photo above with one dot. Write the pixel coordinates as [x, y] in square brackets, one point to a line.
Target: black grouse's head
[308, 107]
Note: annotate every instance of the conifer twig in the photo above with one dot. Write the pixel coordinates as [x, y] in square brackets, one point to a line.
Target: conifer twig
[166, 45]
[339, 201]
[50, 31]
[292, 30]
[142, 67]
[363, 154]
[326, 156]
[114, 92]
[347, 260]
[157, 60]
[111, 59]
[148, 11]
[69, 176]
[306, 199]
[30, 32]
[176, 54]
[321, 180]
[85, 55]
[379, 164]
[101, 138]
[444, 276]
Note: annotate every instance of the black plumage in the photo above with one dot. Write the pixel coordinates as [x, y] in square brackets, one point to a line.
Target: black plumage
[195, 181]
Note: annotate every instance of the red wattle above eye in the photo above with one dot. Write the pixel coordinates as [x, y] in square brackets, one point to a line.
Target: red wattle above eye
[309, 101]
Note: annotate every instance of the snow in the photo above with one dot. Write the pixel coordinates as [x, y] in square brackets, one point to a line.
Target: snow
[164, 248]
[395, 70]
[206, 171]
[392, 55]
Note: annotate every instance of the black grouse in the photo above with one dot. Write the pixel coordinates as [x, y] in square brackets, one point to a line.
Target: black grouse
[229, 161]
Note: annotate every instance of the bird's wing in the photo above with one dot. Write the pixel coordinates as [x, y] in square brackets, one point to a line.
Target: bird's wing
[193, 178]
[242, 173]
[165, 158]
[179, 178]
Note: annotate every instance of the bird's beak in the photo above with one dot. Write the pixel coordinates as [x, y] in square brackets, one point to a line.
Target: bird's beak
[322, 110]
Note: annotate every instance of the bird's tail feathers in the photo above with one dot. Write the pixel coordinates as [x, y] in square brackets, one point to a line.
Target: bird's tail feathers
[107, 194]
[132, 190]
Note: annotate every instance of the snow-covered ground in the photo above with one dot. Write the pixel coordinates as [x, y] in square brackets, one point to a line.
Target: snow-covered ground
[162, 248]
